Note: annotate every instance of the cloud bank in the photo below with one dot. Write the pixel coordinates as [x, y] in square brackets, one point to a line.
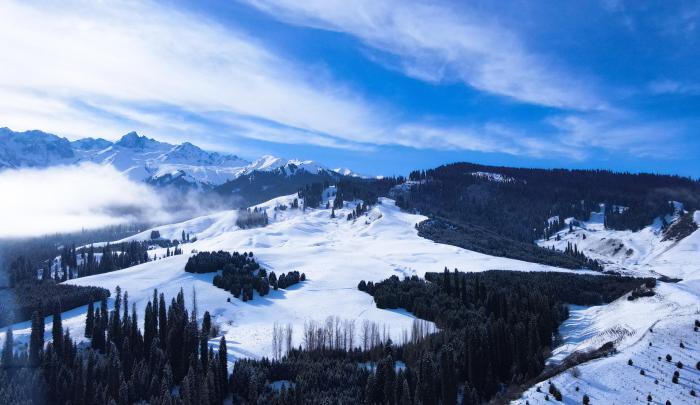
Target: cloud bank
[70, 198]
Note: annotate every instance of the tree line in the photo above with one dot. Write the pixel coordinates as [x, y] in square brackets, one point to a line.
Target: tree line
[169, 361]
[19, 303]
[520, 209]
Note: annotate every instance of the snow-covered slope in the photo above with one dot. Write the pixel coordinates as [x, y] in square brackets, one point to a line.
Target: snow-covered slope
[334, 253]
[644, 330]
[643, 253]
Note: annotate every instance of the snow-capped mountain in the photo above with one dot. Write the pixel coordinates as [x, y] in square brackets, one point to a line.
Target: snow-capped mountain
[143, 158]
[33, 149]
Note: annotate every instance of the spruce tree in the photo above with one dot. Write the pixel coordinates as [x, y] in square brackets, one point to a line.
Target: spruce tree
[36, 339]
[57, 332]
[7, 349]
[89, 320]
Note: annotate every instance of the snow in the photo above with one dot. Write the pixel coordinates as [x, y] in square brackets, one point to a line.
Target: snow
[665, 320]
[139, 157]
[641, 253]
[610, 380]
[271, 163]
[497, 177]
[335, 254]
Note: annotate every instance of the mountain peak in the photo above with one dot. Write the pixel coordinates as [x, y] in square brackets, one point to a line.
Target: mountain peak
[135, 141]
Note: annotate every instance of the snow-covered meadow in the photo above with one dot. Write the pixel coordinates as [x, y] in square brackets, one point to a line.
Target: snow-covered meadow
[334, 253]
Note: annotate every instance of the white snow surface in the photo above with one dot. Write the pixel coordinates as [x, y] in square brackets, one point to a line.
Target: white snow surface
[642, 253]
[665, 320]
[335, 254]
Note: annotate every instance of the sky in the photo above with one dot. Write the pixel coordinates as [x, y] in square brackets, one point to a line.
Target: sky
[379, 86]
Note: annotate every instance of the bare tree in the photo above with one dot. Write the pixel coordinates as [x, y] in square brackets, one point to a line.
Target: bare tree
[288, 338]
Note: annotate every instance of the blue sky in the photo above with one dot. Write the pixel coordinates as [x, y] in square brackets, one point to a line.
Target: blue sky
[381, 87]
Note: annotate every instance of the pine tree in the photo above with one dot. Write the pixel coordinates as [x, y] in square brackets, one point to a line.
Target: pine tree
[89, 320]
[36, 339]
[223, 360]
[57, 332]
[162, 321]
[7, 349]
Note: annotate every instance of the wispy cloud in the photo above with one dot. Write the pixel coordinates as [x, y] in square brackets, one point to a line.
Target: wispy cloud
[118, 56]
[666, 86]
[435, 42]
[83, 68]
[619, 132]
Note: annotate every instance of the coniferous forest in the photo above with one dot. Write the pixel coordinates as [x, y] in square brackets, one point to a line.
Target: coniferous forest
[519, 204]
[19, 303]
[495, 210]
[495, 329]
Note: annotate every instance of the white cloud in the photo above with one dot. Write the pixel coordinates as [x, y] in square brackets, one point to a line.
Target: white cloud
[619, 132]
[436, 42]
[70, 198]
[118, 56]
[666, 86]
[84, 68]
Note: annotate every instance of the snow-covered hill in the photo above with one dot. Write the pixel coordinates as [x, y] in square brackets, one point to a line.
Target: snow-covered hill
[644, 330]
[142, 158]
[646, 252]
[334, 253]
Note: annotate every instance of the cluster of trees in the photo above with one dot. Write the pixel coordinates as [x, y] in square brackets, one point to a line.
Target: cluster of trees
[313, 194]
[17, 304]
[119, 256]
[168, 362]
[67, 262]
[494, 330]
[572, 250]
[240, 278]
[21, 269]
[483, 240]
[209, 262]
[497, 325]
[286, 280]
[254, 218]
[38, 250]
[240, 273]
[519, 209]
[639, 217]
[358, 211]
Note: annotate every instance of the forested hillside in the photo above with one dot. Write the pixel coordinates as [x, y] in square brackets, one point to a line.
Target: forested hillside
[518, 203]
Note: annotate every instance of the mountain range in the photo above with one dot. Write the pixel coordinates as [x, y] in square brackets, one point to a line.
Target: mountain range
[148, 160]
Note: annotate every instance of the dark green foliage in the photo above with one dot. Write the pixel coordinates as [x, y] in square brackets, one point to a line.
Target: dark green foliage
[520, 206]
[123, 369]
[254, 218]
[240, 273]
[209, 262]
[17, 304]
[319, 377]
[312, 194]
[155, 234]
[497, 322]
[494, 330]
[483, 240]
[36, 252]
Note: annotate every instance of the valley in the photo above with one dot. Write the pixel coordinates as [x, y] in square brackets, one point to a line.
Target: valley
[338, 244]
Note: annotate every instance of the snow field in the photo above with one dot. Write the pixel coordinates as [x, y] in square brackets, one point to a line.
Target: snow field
[335, 254]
